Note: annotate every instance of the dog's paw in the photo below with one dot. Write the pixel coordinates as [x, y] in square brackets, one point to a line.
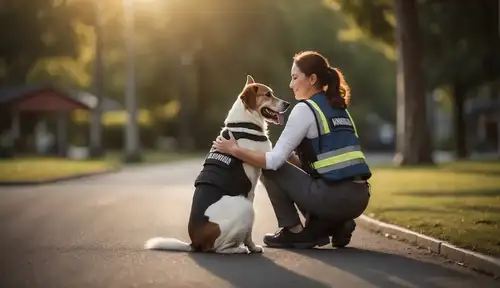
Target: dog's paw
[256, 249]
[234, 250]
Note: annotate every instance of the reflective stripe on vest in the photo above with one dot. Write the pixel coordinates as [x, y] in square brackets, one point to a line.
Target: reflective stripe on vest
[339, 159]
[323, 124]
[353, 125]
[324, 128]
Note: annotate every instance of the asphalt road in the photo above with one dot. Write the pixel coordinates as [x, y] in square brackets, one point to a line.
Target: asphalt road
[90, 232]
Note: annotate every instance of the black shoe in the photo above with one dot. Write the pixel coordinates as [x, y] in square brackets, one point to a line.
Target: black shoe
[283, 238]
[342, 235]
[319, 229]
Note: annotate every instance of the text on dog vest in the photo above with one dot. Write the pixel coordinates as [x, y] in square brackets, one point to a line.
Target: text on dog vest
[219, 157]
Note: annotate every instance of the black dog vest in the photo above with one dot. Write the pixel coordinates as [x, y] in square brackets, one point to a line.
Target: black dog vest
[226, 171]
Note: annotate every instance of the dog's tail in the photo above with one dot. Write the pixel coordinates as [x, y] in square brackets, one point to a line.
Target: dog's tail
[160, 243]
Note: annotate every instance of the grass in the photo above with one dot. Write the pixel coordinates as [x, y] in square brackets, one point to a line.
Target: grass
[46, 168]
[38, 169]
[456, 202]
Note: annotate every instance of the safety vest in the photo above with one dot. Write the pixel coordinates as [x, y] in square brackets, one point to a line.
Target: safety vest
[226, 171]
[335, 154]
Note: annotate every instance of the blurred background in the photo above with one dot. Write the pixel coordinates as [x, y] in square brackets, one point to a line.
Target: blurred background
[84, 78]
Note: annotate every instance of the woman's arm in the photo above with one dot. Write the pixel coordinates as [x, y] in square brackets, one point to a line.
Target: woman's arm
[254, 158]
[257, 158]
[296, 128]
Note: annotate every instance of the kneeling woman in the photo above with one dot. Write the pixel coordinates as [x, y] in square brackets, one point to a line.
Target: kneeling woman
[328, 178]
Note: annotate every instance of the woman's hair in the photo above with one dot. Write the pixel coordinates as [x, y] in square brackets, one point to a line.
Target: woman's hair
[338, 92]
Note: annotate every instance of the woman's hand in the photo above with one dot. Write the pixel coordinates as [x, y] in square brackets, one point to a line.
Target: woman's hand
[230, 147]
[226, 146]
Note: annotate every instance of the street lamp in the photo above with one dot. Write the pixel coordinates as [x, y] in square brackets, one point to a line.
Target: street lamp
[131, 130]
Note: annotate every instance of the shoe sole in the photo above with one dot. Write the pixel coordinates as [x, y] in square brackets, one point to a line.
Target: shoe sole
[341, 244]
[301, 245]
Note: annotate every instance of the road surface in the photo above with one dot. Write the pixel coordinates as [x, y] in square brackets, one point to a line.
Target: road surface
[89, 233]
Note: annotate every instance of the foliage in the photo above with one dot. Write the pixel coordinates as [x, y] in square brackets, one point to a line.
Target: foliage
[34, 30]
[461, 37]
[224, 40]
[460, 45]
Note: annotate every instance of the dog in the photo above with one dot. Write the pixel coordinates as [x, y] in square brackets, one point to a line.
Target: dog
[222, 214]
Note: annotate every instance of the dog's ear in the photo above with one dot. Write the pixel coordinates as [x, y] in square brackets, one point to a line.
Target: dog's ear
[250, 80]
[249, 97]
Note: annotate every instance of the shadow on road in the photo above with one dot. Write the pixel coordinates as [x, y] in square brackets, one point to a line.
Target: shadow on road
[385, 270]
[377, 268]
[250, 271]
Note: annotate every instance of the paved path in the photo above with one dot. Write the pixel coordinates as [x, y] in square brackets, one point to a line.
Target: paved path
[89, 233]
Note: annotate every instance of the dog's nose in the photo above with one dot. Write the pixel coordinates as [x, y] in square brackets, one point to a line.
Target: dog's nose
[286, 104]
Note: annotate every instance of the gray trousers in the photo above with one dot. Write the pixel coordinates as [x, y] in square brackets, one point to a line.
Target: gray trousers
[290, 185]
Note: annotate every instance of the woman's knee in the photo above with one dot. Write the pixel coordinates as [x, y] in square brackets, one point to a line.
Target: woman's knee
[287, 172]
[268, 174]
[265, 177]
[270, 186]
[272, 178]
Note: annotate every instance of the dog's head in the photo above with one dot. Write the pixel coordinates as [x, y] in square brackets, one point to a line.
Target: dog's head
[260, 98]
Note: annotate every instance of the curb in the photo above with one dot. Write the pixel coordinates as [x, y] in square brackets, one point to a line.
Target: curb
[60, 179]
[474, 260]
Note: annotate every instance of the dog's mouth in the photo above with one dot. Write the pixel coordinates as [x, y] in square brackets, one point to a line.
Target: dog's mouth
[272, 116]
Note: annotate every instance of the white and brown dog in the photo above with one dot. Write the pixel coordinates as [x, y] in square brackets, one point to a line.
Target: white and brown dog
[222, 213]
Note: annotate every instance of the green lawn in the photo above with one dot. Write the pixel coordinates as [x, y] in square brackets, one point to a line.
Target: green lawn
[37, 169]
[45, 168]
[456, 202]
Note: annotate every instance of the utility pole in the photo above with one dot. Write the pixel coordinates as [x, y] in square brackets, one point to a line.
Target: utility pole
[188, 56]
[96, 149]
[132, 153]
[497, 92]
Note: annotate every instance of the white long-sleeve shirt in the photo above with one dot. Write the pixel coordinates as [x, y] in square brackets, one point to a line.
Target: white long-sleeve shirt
[301, 123]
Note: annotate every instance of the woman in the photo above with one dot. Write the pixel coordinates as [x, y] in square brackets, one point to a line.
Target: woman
[330, 187]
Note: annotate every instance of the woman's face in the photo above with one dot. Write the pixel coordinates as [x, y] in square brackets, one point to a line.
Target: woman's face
[300, 84]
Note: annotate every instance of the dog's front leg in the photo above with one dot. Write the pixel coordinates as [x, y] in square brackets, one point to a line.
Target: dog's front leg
[254, 248]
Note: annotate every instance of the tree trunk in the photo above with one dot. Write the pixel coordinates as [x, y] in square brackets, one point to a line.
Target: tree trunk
[414, 138]
[185, 137]
[202, 102]
[459, 121]
[495, 97]
[96, 150]
[132, 141]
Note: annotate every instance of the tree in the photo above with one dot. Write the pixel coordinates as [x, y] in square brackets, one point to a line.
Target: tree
[414, 138]
[237, 38]
[462, 45]
[257, 37]
[374, 18]
[96, 149]
[46, 32]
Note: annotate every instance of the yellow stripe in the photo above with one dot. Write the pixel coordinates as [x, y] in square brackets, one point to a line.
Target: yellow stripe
[353, 125]
[338, 159]
[326, 127]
